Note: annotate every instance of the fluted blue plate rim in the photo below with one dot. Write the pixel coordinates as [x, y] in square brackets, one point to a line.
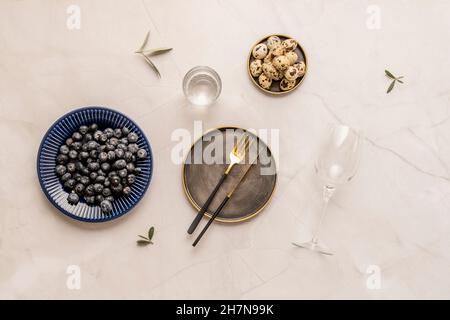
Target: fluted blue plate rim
[45, 139]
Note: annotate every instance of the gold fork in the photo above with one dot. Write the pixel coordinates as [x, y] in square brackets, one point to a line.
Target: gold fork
[237, 155]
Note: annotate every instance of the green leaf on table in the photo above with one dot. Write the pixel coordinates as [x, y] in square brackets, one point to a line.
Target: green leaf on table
[147, 36]
[389, 74]
[157, 51]
[145, 238]
[391, 86]
[399, 80]
[151, 232]
[151, 64]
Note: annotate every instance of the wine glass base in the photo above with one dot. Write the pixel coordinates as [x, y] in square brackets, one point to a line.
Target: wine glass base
[313, 246]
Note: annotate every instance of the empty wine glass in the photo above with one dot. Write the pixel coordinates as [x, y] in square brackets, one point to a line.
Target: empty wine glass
[336, 164]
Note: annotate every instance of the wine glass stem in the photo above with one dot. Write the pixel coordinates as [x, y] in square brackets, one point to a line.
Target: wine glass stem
[326, 196]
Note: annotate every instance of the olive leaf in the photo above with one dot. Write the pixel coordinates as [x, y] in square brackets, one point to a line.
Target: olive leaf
[151, 232]
[147, 36]
[389, 74]
[145, 238]
[394, 80]
[391, 86]
[152, 65]
[155, 52]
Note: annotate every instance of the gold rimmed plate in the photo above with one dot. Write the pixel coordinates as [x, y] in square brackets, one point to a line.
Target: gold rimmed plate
[275, 86]
[207, 160]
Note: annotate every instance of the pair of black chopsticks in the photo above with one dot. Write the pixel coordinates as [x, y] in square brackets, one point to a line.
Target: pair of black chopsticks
[219, 208]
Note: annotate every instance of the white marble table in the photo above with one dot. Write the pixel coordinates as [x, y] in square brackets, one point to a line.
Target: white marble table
[395, 215]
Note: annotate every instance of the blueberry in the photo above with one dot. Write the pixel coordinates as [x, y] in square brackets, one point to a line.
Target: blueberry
[133, 148]
[92, 145]
[100, 179]
[130, 167]
[87, 137]
[76, 176]
[73, 154]
[76, 136]
[106, 206]
[122, 173]
[122, 146]
[109, 132]
[126, 191]
[101, 148]
[141, 154]
[105, 166]
[99, 198]
[120, 164]
[101, 173]
[93, 154]
[119, 153]
[69, 184]
[103, 156]
[93, 176]
[111, 155]
[132, 137]
[117, 189]
[124, 141]
[114, 142]
[79, 188]
[83, 155]
[115, 180]
[64, 149]
[73, 198]
[62, 159]
[118, 133]
[103, 137]
[66, 177]
[90, 200]
[85, 171]
[97, 135]
[110, 198]
[137, 170]
[131, 178]
[71, 167]
[61, 170]
[98, 187]
[93, 127]
[93, 166]
[128, 156]
[79, 166]
[106, 192]
[107, 183]
[89, 191]
[69, 142]
[76, 145]
[125, 131]
[83, 129]
[84, 180]
[112, 174]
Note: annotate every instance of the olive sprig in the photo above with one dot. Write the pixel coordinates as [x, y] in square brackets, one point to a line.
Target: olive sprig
[151, 52]
[143, 241]
[394, 80]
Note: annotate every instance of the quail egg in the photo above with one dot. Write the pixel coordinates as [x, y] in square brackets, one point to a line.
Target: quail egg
[264, 81]
[292, 57]
[256, 68]
[277, 50]
[269, 70]
[278, 76]
[260, 51]
[289, 44]
[281, 63]
[291, 73]
[301, 67]
[272, 41]
[286, 85]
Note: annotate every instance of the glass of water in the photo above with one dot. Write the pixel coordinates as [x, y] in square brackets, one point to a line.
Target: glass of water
[202, 86]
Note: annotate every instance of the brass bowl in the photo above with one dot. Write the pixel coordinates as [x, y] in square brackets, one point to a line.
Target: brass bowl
[275, 87]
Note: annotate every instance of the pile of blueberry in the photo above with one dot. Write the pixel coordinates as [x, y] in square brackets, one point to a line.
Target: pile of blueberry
[99, 166]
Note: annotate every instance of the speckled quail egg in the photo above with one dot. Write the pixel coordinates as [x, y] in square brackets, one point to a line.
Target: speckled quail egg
[256, 68]
[272, 41]
[269, 57]
[264, 81]
[291, 73]
[289, 44]
[286, 85]
[269, 70]
[278, 76]
[277, 50]
[260, 51]
[301, 67]
[292, 57]
[281, 63]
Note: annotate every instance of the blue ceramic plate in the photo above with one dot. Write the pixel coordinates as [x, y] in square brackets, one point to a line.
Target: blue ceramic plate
[57, 135]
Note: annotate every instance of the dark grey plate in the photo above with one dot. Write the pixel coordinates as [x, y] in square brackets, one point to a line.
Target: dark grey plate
[200, 176]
